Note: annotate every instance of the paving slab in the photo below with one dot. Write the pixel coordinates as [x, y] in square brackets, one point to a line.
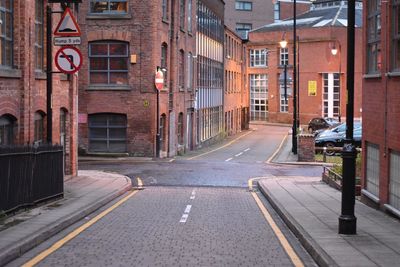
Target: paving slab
[311, 209]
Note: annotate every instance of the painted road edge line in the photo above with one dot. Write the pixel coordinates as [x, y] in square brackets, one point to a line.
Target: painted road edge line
[38, 258]
[277, 150]
[282, 239]
[228, 144]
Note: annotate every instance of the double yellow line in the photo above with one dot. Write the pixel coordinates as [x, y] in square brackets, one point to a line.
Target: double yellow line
[281, 237]
[76, 232]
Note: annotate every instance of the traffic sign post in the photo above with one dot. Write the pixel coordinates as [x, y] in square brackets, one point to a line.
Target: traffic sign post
[68, 59]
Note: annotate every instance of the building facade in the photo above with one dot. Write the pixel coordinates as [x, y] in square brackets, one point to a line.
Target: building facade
[23, 91]
[381, 105]
[320, 75]
[210, 71]
[236, 96]
[125, 43]
[245, 15]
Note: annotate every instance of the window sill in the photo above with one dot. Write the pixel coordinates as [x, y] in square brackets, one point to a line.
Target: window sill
[40, 75]
[393, 74]
[392, 210]
[10, 73]
[370, 196]
[106, 87]
[164, 20]
[190, 33]
[182, 29]
[372, 76]
[108, 16]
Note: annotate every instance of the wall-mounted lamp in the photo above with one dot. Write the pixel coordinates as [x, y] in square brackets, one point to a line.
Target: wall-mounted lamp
[334, 50]
[283, 42]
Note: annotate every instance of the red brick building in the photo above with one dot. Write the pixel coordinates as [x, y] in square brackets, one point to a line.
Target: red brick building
[23, 111]
[381, 105]
[124, 44]
[321, 75]
[236, 95]
[245, 15]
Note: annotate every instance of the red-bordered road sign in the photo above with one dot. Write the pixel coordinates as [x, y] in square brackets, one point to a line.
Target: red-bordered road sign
[67, 25]
[68, 59]
[159, 80]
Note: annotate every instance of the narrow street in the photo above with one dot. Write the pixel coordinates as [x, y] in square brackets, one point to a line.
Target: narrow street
[195, 210]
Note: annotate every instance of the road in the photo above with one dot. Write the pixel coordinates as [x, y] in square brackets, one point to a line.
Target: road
[195, 210]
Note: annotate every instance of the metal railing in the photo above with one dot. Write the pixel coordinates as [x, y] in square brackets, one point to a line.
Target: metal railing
[29, 175]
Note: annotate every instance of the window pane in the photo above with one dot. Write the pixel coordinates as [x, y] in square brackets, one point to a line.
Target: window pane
[117, 133]
[98, 77]
[118, 7]
[118, 49]
[98, 132]
[119, 78]
[99, 7]
[98, 49]
[118, 64]
[99, 63]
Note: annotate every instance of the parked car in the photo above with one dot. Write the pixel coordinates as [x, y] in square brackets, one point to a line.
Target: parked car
[336, 139]
[321, 123]
[341, 128]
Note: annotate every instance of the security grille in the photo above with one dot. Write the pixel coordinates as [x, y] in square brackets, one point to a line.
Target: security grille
[372, 172]
[394, 182]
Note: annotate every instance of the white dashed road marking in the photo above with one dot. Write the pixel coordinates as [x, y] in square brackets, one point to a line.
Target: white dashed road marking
[193, 195]
[247, 149]
[229, 159]
[237, 155]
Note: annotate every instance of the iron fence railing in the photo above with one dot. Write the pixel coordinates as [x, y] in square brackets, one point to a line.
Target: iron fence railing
[29, 175]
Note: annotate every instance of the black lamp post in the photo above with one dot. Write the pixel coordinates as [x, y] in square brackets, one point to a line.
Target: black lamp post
[347, 220]
[294, 127]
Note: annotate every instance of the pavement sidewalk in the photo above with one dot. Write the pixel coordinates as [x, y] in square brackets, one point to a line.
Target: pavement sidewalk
[311, 209]
[83, 194]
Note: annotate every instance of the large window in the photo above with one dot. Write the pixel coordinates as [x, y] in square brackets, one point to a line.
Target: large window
[244, 5]
[39, 127]
[108, 63]
[243, 28]
[163, 121]
[374, 57]
[182, 14]
[372, 169]
[7, 125]
[277, 11]
[283, 56]
[107, 132]
[189, 16]
[284, 107]
[39, 36]
[258, 58]
[108, 6]
[164, 63]
[190, 72]
[181, 70]
[165, 9]
[394, 180]
[258, 96]
[6, 33]
[395, 49]
[331, 97]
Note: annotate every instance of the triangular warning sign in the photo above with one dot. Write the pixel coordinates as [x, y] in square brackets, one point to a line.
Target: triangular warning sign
[67, 25]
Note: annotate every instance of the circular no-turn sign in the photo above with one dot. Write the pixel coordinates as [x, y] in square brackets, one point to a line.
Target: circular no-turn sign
[68, 59]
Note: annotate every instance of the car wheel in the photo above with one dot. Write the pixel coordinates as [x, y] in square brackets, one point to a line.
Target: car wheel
[330, 148]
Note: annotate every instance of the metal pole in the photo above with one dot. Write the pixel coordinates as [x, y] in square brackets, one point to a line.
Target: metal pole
[347, 220]
[298, 82]
[49, 74]
[294, 127]
[158, 126]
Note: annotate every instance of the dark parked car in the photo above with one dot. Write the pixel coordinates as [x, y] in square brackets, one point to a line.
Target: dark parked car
[336, 139]
[321, 123]
[340, 128]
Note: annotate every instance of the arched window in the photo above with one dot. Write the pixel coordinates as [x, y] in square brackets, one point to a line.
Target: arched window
[107, 132]
[7, 125]
[39, 127]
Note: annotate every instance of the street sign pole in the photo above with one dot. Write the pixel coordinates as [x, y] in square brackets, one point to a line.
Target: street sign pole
[49, 76]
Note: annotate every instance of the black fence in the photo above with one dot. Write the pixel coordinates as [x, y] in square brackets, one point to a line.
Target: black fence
[29, 175]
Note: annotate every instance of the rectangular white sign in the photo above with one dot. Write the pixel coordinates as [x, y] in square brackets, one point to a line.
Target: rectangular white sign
[67, 41]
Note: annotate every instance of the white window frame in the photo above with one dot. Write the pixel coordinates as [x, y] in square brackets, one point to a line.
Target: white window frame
[258, 58]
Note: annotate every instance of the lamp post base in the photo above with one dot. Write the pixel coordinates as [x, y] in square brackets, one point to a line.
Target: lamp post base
[347, 225]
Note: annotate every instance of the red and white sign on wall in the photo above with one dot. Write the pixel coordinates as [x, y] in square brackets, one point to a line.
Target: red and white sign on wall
[68, 59]
[159, 80]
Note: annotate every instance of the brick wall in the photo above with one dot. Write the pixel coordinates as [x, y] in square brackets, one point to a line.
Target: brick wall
[306, 147]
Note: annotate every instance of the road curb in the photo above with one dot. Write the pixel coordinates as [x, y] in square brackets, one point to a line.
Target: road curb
[22, 246]
[317, 253]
